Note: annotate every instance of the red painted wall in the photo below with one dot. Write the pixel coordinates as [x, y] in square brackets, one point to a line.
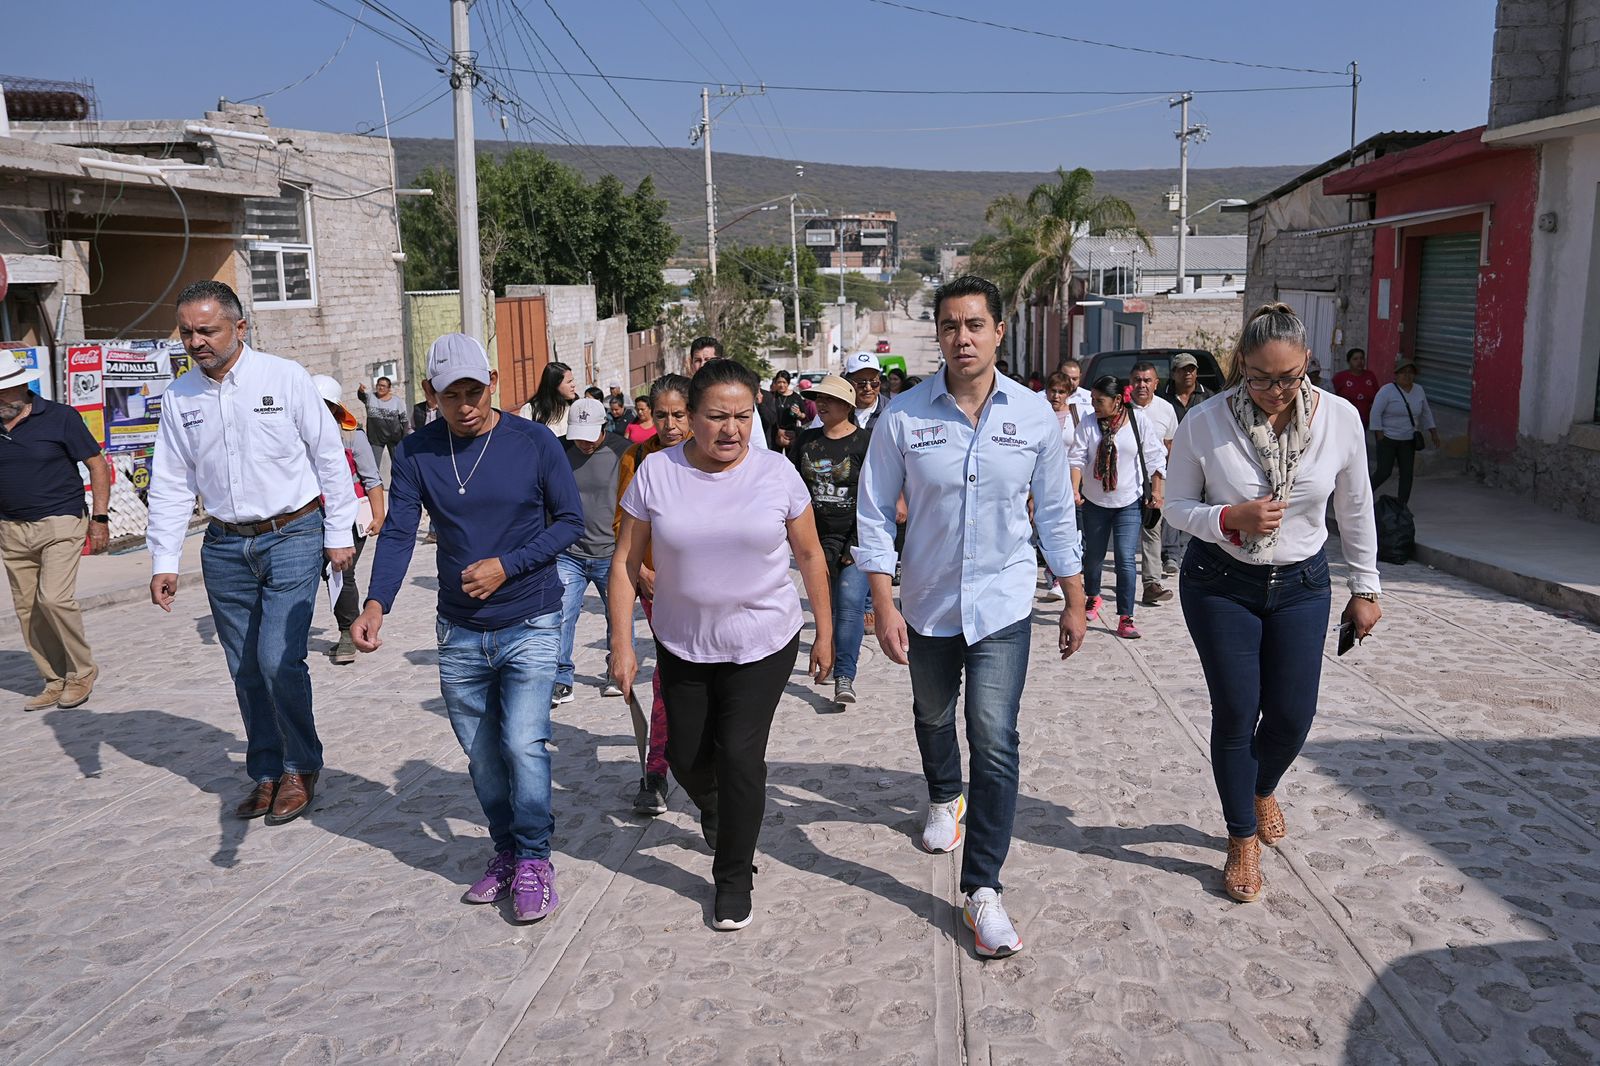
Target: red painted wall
[1510, 181]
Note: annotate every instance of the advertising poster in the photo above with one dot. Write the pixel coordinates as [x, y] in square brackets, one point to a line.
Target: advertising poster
[135, 376]
[85, 387]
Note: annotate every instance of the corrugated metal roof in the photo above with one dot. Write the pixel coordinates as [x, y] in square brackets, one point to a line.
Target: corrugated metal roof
[1223, 254]
[1379, 145]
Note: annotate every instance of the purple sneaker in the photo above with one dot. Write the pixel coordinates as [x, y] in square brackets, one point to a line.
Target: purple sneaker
[533, 889]
[496, 880]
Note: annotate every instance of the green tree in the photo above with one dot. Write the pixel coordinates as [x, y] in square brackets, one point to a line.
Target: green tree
[539, 222]
[732, 311]
[1030, 254]
[765, 268]
[904, 288]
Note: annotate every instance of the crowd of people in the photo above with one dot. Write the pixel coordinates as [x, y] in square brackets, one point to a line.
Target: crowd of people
[918, 510]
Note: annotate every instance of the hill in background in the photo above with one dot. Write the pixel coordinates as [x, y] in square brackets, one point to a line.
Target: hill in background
[934, 206]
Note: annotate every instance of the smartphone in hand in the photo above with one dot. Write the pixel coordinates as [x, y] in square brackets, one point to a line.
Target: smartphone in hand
[1347, 636]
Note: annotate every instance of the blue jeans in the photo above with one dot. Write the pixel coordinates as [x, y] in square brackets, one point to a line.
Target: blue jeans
[1259, 631]
[849, 591]
[576, 573]
[496, 685]
[1100, 525]
[263, 591]
[995, 668]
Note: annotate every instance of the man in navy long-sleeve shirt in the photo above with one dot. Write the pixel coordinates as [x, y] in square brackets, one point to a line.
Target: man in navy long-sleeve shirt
[504, 504]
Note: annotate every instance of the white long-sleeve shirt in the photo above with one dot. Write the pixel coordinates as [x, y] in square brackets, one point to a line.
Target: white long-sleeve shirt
[1213, 466]
[1389, 412]
[257, 444]
[1085, 444]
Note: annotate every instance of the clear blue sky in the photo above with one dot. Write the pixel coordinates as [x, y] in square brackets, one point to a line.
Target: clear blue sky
[1424, 65]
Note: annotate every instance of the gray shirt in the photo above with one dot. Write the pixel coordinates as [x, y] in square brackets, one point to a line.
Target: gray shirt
[366, 466]
[596, 476]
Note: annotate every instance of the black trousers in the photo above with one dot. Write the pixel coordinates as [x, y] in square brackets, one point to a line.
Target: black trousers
[1390, 452]
[718, 719]
[347, 608]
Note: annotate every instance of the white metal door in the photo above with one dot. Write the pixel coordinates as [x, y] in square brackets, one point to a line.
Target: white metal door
[1318, 311]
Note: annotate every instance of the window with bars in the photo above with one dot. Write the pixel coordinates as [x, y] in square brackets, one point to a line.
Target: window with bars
[283, 271]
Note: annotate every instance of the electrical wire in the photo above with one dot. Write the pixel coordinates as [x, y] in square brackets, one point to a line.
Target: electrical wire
[954, 92]
[326, 64]
[793, 153]
[183, 261]
[1098, 44]
[976, 125]
[385, 127]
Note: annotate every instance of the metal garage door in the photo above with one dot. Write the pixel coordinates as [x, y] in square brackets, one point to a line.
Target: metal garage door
[1447, 311]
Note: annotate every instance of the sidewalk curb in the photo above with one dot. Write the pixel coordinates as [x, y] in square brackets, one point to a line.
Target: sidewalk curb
[1526, 587]
[127, 593]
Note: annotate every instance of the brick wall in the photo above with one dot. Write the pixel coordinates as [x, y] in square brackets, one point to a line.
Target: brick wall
[1340, 264]
[1170, 323]
[356, 323]
[1543, 65]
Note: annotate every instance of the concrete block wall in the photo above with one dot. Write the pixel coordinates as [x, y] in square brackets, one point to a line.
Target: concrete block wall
[1171, 323]
[1543, 64]
[1340, 264]
[357, 321]
[1563, 476]
[571, 322]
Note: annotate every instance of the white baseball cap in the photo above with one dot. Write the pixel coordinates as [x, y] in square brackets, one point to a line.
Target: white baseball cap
[14, 372]
[456, 357]
[586, 419]
[862, 361]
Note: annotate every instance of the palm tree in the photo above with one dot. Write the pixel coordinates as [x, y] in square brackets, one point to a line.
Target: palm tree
[1030, 255]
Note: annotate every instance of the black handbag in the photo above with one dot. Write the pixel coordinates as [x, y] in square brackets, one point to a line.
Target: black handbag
[1149, 513]
[1417, 441]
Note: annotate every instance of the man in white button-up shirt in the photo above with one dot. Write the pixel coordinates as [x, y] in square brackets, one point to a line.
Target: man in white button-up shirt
[248, 433]
[967, 447]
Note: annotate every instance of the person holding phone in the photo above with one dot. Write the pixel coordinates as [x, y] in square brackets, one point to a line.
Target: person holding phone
[1250, 478]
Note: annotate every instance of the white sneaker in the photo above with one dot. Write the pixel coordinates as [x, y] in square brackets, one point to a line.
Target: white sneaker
[1053, 594]
[992, 932]
[941, 830]
[611, 688]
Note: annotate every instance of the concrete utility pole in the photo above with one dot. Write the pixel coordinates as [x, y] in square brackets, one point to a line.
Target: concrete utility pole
[462, 79]
[794, 272]
[702, 133]
[1185, 131]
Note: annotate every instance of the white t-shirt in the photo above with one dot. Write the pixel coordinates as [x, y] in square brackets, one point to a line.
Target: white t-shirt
[1161, 416]
[1389, 412]
[1213, 465]
[1083, 445]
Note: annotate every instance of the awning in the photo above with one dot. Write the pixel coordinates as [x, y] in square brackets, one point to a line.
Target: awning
[1410, 218]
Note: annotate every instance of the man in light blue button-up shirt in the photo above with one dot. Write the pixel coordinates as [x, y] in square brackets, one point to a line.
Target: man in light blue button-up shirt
[968, 447]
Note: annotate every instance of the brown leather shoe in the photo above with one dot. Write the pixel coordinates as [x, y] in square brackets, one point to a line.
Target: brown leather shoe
[259, 801]
[48, 698]
[293, 798]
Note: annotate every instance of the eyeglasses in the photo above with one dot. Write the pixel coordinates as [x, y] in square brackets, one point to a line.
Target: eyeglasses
[1289, 384]
[865, 384]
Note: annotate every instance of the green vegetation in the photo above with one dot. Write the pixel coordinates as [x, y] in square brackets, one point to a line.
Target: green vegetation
[1030, 257]
[541, 223]
[934, 206]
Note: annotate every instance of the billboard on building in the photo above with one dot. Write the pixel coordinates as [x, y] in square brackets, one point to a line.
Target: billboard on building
[820, 238]
[878, 237]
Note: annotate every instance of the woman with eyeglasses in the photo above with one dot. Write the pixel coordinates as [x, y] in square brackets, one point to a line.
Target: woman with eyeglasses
[1250, 478]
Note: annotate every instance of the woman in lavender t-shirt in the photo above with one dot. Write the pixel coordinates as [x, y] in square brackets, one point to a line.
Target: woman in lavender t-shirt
[721, 519]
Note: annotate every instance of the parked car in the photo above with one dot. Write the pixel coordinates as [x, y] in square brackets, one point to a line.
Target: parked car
[882, 348]
[1121, 364]
[926, 316]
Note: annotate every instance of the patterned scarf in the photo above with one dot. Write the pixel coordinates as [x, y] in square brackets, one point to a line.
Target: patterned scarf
[1105, 457]
[1279, 456]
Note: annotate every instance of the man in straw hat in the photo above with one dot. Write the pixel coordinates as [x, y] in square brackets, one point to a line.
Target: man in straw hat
[42, 527]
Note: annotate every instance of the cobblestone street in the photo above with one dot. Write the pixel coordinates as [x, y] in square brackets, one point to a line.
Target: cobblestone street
[1437, 900]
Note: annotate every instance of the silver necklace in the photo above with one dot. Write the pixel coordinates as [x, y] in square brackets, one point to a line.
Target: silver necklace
[461, 486]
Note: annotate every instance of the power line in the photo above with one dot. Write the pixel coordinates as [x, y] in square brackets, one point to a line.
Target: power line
[326, 64]
[972, 125]
[793, 153]
[1098, 44]
[950, 92]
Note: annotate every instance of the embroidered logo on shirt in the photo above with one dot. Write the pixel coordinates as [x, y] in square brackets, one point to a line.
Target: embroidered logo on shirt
[1009, 428]
[268, 407]
[192, 419]
[930, 436]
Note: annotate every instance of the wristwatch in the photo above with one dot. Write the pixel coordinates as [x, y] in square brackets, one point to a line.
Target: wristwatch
[103, 519]
[1370, 597]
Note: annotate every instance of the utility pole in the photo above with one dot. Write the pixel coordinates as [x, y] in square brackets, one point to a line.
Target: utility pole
[462, 79]
[1185, 131]
[702, 133]
[1355, 82]
[794, 272]
[842, 345]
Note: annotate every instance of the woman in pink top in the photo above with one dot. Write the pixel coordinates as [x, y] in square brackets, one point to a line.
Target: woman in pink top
[720, 520]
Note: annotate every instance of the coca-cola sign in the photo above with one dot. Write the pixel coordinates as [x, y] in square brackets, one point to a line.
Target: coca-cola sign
[89, 358]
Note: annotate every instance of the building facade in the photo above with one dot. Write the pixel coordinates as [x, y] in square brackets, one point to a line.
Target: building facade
[866, 242]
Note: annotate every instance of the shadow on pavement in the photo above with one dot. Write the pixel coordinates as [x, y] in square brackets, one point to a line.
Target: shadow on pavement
[18, 673]
[1481, 997]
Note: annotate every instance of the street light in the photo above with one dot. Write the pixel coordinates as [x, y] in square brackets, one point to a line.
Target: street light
[1226, 201]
